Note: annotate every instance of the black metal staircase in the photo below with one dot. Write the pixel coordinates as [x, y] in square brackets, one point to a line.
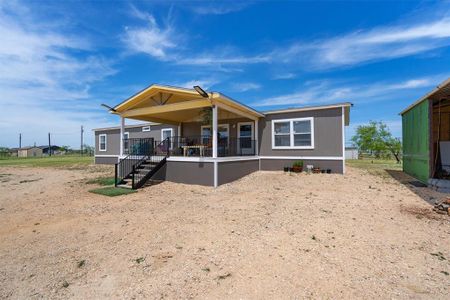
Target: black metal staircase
[146, 157]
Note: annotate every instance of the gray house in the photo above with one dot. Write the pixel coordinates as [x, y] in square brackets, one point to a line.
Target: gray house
[194, 137]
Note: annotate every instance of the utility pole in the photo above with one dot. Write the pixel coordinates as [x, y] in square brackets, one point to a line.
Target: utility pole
[81, 148]
[20, 141]
[49, 146]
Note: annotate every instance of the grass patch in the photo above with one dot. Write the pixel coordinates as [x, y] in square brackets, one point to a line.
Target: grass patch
[102, 181]
[375, 166]
[112, 191]
[52, 161]
[139, 259]
[81, 263]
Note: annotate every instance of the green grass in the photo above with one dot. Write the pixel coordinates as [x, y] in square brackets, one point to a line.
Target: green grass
[375, 166]
[52, 161]
[102, 181]
[111, 191]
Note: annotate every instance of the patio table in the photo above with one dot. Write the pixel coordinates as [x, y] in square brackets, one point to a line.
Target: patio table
[200, 147]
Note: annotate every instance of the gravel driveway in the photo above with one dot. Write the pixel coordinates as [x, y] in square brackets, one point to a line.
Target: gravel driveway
[269, 235]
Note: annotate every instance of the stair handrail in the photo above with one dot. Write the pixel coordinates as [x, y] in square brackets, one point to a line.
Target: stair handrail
[165, 145]
[125, 167]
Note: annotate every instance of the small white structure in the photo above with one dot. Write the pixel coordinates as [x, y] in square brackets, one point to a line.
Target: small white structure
[351, 153]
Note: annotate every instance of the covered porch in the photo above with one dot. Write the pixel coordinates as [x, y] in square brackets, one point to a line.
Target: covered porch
[208, 125]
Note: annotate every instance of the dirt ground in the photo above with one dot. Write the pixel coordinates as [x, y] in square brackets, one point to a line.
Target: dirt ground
[269, 235]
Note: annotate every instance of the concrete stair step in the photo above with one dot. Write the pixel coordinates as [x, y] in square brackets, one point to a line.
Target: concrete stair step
[124, 186]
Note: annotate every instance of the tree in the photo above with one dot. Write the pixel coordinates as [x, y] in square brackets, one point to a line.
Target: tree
[376, 138]
[88, 149]
[64, 149]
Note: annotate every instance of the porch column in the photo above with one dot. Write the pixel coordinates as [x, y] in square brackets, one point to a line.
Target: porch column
[256, 138]
[214, 131]
[122, 132]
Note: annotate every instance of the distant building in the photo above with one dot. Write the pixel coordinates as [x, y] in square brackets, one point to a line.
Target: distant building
[13, 151]
[29, 152]
[351, 153]
[54, 149]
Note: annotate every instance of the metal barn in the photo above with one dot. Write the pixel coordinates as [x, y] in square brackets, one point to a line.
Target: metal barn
[426, 137]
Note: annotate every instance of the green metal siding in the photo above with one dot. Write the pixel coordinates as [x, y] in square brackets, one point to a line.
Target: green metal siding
[416, 137]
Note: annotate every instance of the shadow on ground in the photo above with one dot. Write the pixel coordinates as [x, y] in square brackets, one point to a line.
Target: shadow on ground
[427, 194]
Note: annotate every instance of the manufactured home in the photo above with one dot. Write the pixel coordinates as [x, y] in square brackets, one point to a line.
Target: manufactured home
[196, 137]
[426, 137]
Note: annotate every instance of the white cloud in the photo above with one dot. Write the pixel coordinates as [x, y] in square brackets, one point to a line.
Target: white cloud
[218, 7]
[320, 92]
[204, 83]
[44, 86]
[283, 76]
[228, 59]
[163, 43]
[245, 86]
[153, 39]
[365, 46]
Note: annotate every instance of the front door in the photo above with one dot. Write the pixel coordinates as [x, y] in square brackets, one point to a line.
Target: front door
[246, 144]
[167, 133]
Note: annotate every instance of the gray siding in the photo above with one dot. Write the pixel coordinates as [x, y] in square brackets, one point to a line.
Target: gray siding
[113, 137]
[109, 160]
[327, 133]
[233, 170]
[336, 166]
[201, 173]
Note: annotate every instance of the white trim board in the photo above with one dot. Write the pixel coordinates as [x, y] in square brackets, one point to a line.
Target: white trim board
[304, 157]
[210, 159]
[343, 140]
[288, 110]
[105, 155]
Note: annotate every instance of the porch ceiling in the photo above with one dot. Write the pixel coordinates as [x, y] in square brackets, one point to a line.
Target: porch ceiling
[183, 116]
[172, 105]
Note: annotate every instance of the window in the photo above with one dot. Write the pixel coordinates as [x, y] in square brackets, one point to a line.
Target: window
[102, 142]
[293, 133]
[223, 130]
[126, 142]
[146, 128]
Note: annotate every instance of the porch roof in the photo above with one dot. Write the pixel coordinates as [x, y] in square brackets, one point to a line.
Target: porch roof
[172, 105]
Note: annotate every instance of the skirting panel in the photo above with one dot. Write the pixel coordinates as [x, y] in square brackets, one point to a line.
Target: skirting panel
[336, 166]
[106, 160]
[233, 170]
[201, 173]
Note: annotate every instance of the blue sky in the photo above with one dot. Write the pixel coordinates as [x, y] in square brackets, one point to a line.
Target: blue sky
[59, 60]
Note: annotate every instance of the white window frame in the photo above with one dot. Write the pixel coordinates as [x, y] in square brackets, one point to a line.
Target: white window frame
[171, 135]
[219, 125]
[245, 123]
[100, 142]
[252, 136]
[146, 129]
[291, 133]
[166, 129]
[126, 136]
